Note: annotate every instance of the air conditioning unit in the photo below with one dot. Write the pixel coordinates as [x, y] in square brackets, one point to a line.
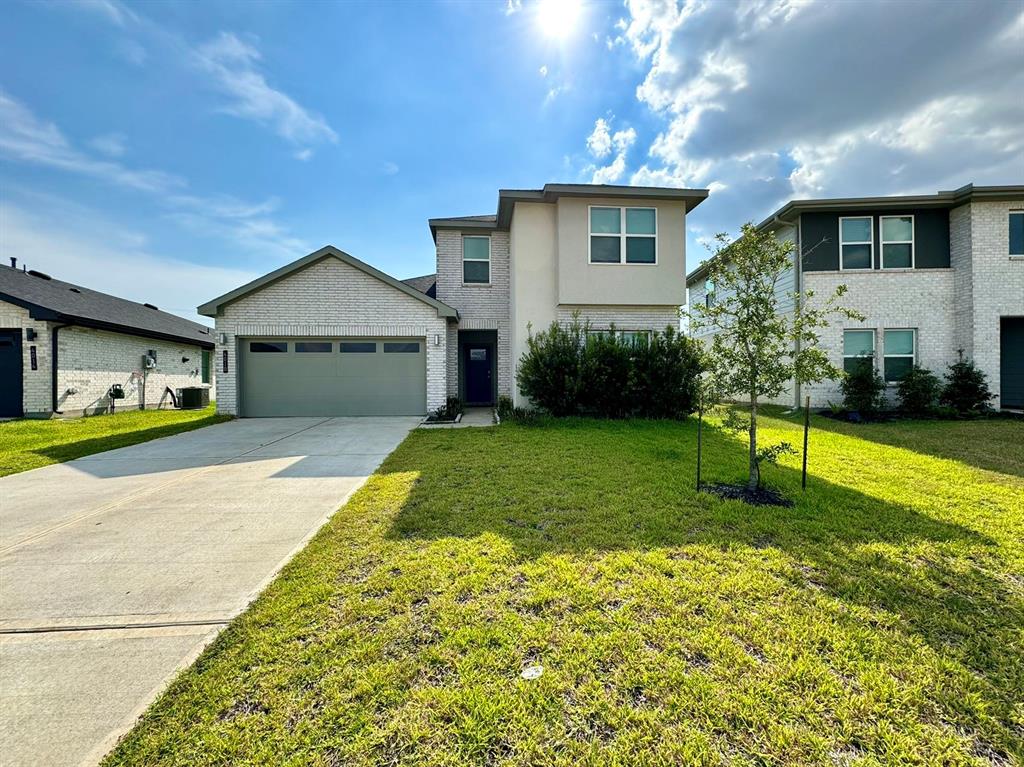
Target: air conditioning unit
[193, 397]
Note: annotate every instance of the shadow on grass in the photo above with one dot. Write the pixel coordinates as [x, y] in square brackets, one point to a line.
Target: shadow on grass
[995, 444]
[586, 488]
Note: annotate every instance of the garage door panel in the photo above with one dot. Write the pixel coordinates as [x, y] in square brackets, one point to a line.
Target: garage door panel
[333, 383]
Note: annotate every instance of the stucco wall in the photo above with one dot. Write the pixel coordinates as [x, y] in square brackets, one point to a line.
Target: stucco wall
[329, 299]
[581, 282]
[622, 317]
[89, 361]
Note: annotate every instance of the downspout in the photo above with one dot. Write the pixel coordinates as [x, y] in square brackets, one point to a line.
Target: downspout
[53, 366]
[798, 265]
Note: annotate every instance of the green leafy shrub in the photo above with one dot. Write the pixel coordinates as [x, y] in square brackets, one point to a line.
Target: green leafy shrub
[505, 407]
[863, 389]
[919, 391]
[549, 371]
[605, 375]
[450, 410]
[665, 376]
[966, 389]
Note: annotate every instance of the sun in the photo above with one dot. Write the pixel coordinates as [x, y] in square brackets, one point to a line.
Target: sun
[557, 18]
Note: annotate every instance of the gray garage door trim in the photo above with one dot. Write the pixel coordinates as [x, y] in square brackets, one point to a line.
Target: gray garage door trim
[341, 376]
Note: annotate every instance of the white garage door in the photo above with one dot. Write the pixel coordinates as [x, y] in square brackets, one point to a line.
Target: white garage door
[332, 376]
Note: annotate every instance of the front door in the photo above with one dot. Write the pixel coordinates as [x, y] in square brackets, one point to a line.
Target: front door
[479, 385]
[1011, 367]
[10, 372]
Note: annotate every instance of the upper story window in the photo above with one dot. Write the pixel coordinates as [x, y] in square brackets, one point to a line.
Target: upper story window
[709, 293]
[476, 260]
[1017, 232]
[623, 235]
[856, 243]
[897, 242]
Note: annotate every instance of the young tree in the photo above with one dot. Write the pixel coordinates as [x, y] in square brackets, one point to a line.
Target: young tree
[758, 347]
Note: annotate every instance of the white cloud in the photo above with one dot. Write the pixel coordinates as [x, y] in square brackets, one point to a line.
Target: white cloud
[513, 6]
[390, 168]
[609, 174]
[131, 51]
[543, 71]
[110, 144]
[599, 142]
[28, 139]
[304, 154]
[73, 250]
[232, 65]
[113, 11]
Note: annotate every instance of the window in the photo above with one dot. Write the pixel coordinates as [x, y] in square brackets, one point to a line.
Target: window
[899, 351]
[403, 347]
[206, 366]
[358, 347]
[623, 233]
[709, 293]
[897, 242]
[478, 355]
[857, 345]
[1017, 232]
[856, 243]
[476, 260]
[626, 336]
[307, 347]
[268, 347]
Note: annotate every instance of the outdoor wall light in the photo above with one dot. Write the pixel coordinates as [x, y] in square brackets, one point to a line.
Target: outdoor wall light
[223, 338]
[437, 339]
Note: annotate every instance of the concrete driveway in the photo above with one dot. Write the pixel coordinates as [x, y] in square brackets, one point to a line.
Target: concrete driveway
[117, 569]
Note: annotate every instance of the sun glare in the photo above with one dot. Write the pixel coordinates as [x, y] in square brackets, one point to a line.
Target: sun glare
[557, 18]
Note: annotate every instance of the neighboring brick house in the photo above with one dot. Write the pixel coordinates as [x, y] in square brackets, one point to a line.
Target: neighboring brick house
[331, 335]
[933, 274]
[64, 348]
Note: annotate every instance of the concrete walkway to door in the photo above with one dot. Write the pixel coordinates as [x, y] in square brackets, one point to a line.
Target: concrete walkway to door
[118, 568]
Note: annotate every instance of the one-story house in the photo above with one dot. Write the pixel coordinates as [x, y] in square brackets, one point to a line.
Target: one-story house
[67, 350]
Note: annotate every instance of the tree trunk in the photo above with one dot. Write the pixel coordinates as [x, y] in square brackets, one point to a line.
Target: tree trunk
[754, 480]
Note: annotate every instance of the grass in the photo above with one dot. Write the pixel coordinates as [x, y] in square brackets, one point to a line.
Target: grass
[30, 443]
[878, 621]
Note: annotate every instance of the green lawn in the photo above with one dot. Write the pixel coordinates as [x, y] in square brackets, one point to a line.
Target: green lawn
[878, 621]
[30, 443]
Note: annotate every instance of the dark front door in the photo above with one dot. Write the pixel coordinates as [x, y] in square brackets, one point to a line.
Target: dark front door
[1011, 362]
[479, 385]
[10, 372]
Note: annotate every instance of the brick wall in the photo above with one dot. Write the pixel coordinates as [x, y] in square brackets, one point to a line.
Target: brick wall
[481, 307]
[36, 396]
[922, 299]
[90, 361]
[329, 299]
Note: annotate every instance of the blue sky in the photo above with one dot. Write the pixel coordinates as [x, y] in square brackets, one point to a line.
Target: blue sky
[169, 152]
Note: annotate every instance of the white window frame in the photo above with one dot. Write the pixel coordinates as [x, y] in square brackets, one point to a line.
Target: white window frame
[883, 242]
[874, 344]
[870, 243]
[619, 332]
[1010, 214]
[622, 235]
[885, 354]
[487, 260]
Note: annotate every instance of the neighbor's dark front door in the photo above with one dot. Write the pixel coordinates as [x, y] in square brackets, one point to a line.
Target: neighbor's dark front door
[10, 372]
[1011, 368]
[479, 386]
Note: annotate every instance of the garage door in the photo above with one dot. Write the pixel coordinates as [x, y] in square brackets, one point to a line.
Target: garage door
[333, 376]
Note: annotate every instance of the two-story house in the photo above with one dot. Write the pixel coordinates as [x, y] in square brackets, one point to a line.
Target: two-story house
[331, 335]
[932, 274]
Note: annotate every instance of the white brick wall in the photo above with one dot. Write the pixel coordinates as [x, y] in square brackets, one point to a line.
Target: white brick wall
[996, 284]
[481, 307]
[915, 298]
[329, 299]
[90, 361]
[36, 383]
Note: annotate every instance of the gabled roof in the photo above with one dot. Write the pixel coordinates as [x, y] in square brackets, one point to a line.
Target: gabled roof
[788, 213]
[329, 251]
[58, 301]
[426, 284]
[507, 198]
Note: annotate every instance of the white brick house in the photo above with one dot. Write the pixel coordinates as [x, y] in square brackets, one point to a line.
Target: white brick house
[331, 335]
[65, 348]
[933, 274]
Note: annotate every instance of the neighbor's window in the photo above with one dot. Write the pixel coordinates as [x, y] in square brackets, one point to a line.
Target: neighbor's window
[268, 347]
[1017, 232]
[626, 336]
[900, 347]
[709, 293]
[476, 260]
[897, 242]
[618, 234]
[857, 345]
[856, 243]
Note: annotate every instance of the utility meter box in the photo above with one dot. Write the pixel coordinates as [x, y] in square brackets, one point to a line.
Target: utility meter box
[148, 362]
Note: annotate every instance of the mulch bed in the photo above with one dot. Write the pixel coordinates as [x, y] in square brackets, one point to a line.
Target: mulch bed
[762, 496]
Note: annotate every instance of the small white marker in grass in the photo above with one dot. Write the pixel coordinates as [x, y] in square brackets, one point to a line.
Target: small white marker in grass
[532, 672]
